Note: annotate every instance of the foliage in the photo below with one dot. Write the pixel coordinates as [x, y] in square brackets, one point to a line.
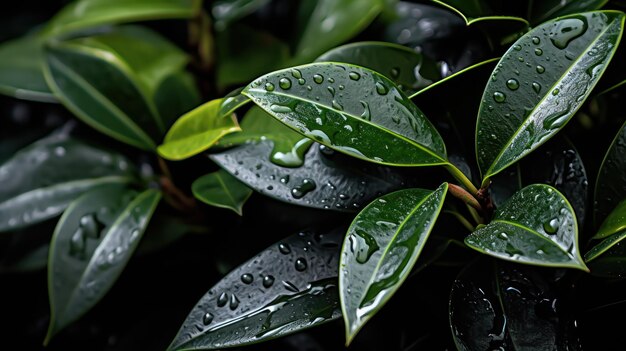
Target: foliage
[458, 168]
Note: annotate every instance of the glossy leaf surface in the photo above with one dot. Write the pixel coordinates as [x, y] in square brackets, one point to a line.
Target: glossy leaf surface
[326, 180]
[20, 70]
[547, 9]
[614, 222]
[91, 245]
[351, 109]
[608, 257]
[41, 180]
[104, 80]
[405, 67]
[536, 226]
[90, 13]
[333, 22]
[221, 189]
[197, 130]
[529, 99]
[611, 183]
[290, 286]
[226, 11]
[380, 249]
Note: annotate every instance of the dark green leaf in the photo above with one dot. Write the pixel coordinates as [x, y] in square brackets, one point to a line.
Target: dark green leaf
[83, 14]
[536, 315]
[289, 146]
[380, 249]
[226, 11]
[175, 96]
[197, 131]
[608, 258]
[334, 21]
[91, 245]
[611, 182]
[476, 316]
[614, 222]
[548, 9]
[220, 189]
[20, 70]
[41, 180]
[326, 180]
[106, 81]
[505, 184]
[290, 286]
[353, 110]
[520, 112]
[558, 163]
[536, 226]
[475, 10]
[410, 70]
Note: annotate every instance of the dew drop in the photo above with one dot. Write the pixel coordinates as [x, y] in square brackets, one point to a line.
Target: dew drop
[247, 278]
[366, 115]
[336, 105]
[512, 84]
[536, 40]
[284, 83]
[222, 300]
[304, 188]
[301, 81]
[517, 47]
[318, 78]
[555, 91]
[268, 281]
[566, 30]
[551, 226]
[354, 76]
[381, 89]
[284, 179]
[395, 72]
[540, 69]
[284, 249]
[331, 90]
[536, 87]
[300, 264]
[269, 86]
[538, 52]
[280, 108]
[234, 302]
[290, 286]
[499, 96]
[296, 73]
[207, 318]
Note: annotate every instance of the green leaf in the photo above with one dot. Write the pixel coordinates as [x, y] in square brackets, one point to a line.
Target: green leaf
[20, 70]
[536, 226]
[197, 131]
[608, 258]
[334, 21]
[351, 109]
[41, 180]
[408, 69]
[259, 301]
[518, 113]
[109, 81]
[176, 95]
[381, 246]
[227, 11]
[289, 146]
[91, 245]
[220, 189]
[611, 183]
[548, 9]
[614, 222]
[475, 10]
[83, 14]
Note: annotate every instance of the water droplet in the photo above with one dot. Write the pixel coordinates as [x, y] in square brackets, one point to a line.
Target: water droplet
[284, 83]
[290, 286]
[538, 52]
[300, 264]
[207, 318]
[337, 106]
[517, 47]
[555, 91]
[247, 278]
[317, 78]
[499, 96]
[504, 236]
[77, 244]
[381, 89]
[331, 80]
[284, 179]
[395, 72]
[348, 127]
[354, 76]
[270, 187]
[268, 281]
[363, 245]
[222, 300]
[551, 226]
[296, 73]
[59, 151]
[536, 40]
[512, 84]
[301, 81]
[234, 302]
[540, 69]
[269, 86]
[331, 90]
[520, 59]
[284, 249]
[566, 30]
[304, 188]
[366, 115]
[536, 87]
[280, 108]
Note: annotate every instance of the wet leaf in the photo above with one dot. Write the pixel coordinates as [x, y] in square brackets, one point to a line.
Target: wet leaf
[41, 180]
[290, 286]
[351, 109]
[558, 163]
[476, 316]
[529, 99]
[326, 180]
[545, 10]
[479, 10]
[408, 69]
[608, 258]
[614, 222]
[611, 183]
[91, 13]
[380, 249]
[91, 245]
[220, 189]
[197, 131]
[536, 226]
[20, 70]
[105, 81]
[334, 21]
[537, 317]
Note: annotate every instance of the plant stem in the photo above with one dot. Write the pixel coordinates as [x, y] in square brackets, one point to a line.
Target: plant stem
[464, 196]
[458, 175]
[461, 219]
[477, 218]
